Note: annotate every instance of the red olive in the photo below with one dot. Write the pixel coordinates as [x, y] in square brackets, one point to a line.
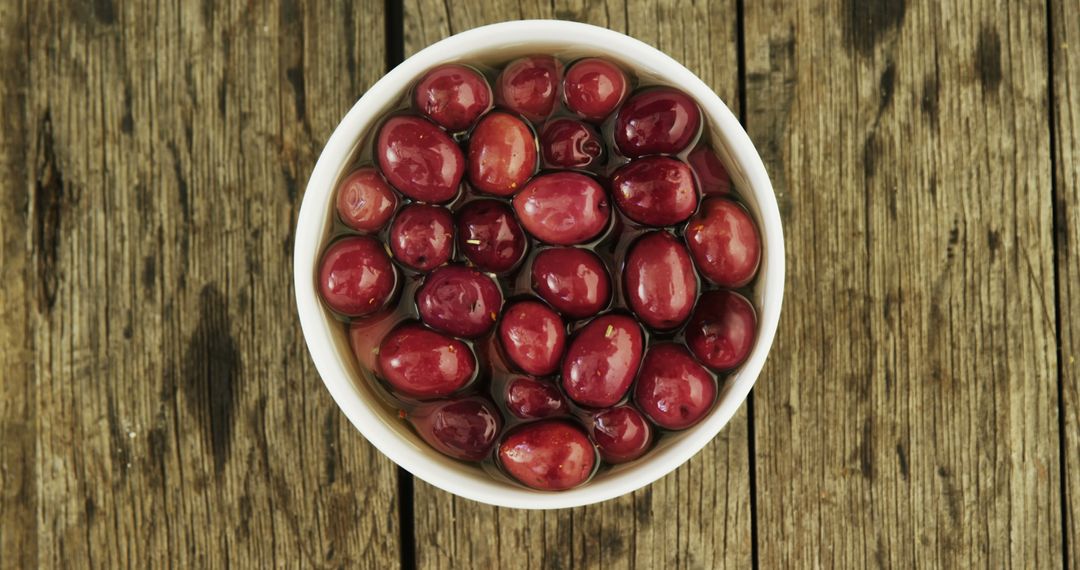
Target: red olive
[563, 208]
[452, 95]
[673, 390]
[529, 86]
[550, 455]
[365, 202]
[420, 159]
[721, 330]
[459, 300]
[602, 360]
[465, 428]
[594, 88]
[490, 236]
[424, 364]
[533, 337]
[356, 277]
[422, 236]
[531, 399]
[713, 177]
[502, 154]
[724, 242]
[661, 120]
[567, 143]
[656, 191]
[661, 285]
[572, 280]
[621, 434]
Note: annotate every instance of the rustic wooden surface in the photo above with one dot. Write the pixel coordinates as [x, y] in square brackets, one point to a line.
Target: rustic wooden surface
[921, 406]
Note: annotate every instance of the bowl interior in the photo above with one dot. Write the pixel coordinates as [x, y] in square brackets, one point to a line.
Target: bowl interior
[328, 340]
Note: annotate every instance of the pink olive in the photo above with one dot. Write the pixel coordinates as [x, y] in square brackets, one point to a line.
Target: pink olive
[673, 390]
[453, 96]
[356, 277]
[563, 208]
[594, 88]
[502, 154]
[567, 143]
[365, 202]
[533, 337]
[529, 86]
[724, 242]
[661, 120]
[550, 455]
[602, 360]
[661, 285]
[721, 331]
[656, 191]
[712, 177]
[572, 280]
[531, 399]
[459, 300]
[422, 236]
[419, 159]
[424, 364]
[621, 434]
[464, 428]
[490, 236]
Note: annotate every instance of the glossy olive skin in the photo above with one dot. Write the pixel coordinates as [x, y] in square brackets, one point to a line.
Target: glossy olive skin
[656, 191]
[356, 277]
[490, 236]
[593, 88]
[713, 177]
[419, 159]
[724, 241]
[602, 360]
[673, 390]
[365, 202]
[459, 300]
[572, 280]
[533, 337]
[502, 154]
[661, 120]
[661, 285]
[531, 399]
[722, 329]
[550, 455]
[422, 236]
[421, 363]
[530, 86]
[463, 428]
[453, 96]
[563, 208]
[621, 434]
[567, 143]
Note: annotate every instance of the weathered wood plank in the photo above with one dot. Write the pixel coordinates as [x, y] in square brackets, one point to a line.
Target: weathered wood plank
[1065, 40]
[697, 517]
[910, 417]
[181, 422]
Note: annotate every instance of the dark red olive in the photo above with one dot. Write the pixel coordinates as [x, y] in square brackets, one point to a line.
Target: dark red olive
[563, 208]
[502, 154]
[459, 300]
[464, 428]
[420, 159]
[673, 390]
[661, 285]
[424, 364]
[662, 120]
[572, 280]
[422, 236]
[594, 88]
[365, 202]
[529, 86]
[550, 455]
[490, 236]
[453, 96]
[533, 337]
[656, 191]
[712, 177]
[721, 331]
[567, 143]
[531, 399]
[602, 360]
[724, 242]
[621, 434]
[356, 277]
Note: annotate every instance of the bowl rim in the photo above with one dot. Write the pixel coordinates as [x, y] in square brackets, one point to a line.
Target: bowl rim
[336, 156]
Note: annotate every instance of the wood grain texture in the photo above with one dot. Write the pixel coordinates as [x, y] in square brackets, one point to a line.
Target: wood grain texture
[179, 420]
[697, 517]
[1065, 54]
[910, 417]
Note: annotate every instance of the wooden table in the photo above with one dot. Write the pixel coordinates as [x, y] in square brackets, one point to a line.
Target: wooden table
[920, 406]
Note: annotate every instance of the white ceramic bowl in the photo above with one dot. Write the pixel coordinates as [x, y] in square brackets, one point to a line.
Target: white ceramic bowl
[327, 339]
